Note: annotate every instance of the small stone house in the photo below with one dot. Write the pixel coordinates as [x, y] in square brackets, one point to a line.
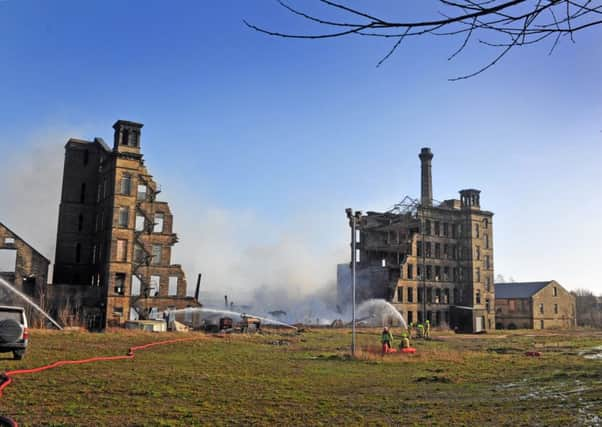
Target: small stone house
[22, 266]
[533, 305]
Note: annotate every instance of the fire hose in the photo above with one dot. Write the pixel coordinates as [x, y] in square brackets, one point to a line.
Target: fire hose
[6, 378]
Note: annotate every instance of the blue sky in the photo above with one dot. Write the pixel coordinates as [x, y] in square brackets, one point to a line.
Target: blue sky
[275, 137]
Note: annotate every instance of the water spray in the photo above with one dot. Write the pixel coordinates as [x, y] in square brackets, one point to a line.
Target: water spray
[11, 288]
[230, 313]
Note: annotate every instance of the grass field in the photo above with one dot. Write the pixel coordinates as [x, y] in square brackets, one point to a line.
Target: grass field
[279, 378]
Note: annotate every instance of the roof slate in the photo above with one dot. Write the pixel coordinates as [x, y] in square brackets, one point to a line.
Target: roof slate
[518, 290]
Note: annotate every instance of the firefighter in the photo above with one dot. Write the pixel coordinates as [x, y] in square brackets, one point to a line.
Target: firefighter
[405, 342]
[420, 329]
[386, 339]
[427, 330]
[410, 326]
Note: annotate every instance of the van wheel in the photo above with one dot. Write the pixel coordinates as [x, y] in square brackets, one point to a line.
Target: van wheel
[18, 354]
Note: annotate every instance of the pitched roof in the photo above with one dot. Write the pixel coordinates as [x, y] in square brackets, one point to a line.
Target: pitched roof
[24, 241]
[518, 290]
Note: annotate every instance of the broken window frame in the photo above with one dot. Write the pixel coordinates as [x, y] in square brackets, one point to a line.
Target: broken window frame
[120, 283]
[126, 184]
[82, 193]
[123, 217]
[136, 286]
[121, 248]
[156, 254]
[154, 285]
[428, 250]
[172, 286]
[141, 192]
[78, 252]
[159, 223]
[140, 220]
[427, 227]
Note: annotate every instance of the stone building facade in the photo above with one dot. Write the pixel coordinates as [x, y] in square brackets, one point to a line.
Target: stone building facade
[23, 267]
[534, 305]
[114, 233]
[431, 260]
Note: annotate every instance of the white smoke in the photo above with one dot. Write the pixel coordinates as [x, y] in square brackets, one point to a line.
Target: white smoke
[258, 264]
[31, 185]
[268, 266]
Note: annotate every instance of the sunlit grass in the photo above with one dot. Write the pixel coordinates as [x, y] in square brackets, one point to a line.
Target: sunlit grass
[284, 378]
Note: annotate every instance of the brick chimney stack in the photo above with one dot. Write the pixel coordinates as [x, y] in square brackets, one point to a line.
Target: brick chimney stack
[426, 195]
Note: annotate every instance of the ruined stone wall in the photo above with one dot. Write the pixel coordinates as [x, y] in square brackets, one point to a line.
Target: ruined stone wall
[107, 231]
[447, 263]
[81, 212]
[30, 273]
[513, 313]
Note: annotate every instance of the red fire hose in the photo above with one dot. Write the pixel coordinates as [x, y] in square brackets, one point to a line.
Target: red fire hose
[6, 377]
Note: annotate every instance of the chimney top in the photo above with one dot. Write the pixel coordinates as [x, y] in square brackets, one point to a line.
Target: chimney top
[426, 182]
[425, 153]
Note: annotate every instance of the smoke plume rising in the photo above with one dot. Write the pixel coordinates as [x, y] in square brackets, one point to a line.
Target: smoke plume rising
[31, 185]
[257, 263]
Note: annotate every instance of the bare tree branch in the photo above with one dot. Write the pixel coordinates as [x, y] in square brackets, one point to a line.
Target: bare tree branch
[522, 21]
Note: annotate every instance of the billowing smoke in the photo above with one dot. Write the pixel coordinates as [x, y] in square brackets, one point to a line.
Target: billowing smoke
[31, 185]
[262, 266]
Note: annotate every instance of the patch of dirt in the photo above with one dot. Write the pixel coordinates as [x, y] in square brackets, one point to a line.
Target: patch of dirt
[504, 350]
[433, 379]
[280, 342]
[592, 353]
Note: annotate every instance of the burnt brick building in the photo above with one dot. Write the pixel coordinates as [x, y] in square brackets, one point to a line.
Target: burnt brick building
[431, 260]
[22, 266]
[114, 233]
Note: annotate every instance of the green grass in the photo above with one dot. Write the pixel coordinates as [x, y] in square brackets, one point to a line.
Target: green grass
[279, 378]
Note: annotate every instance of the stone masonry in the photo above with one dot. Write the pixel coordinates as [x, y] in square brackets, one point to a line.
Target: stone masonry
[114, 233]
[29, 272]
[432, 260]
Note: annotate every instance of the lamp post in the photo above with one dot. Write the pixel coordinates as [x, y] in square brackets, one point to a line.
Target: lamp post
[353, 220]
[422, 233]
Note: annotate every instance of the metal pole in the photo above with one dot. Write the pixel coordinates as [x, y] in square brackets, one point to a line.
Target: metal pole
[422, 227]
[353, 261]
